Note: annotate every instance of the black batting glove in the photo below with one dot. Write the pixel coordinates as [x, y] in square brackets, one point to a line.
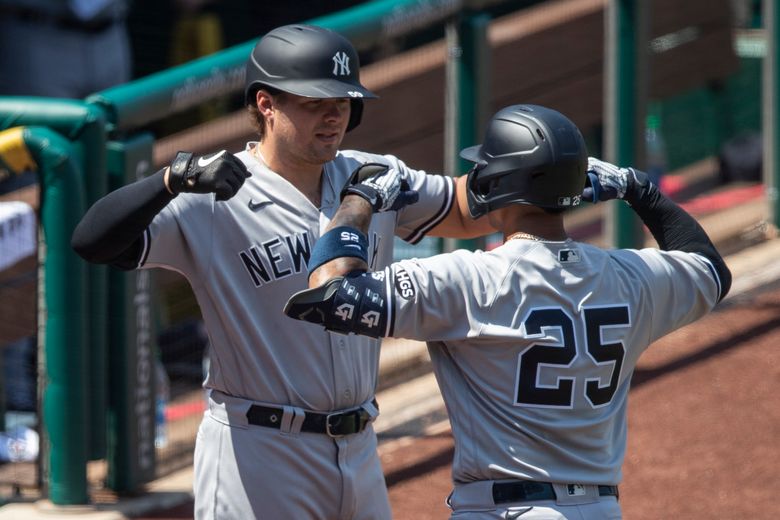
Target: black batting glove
[605, 181]
[383, 187]
[221, 173]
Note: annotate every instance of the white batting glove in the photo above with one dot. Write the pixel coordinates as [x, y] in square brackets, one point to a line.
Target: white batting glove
[383, 187]
[605, 181]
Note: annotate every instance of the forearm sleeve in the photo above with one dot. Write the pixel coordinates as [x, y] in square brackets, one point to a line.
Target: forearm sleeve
[116, 222]
[674, 229]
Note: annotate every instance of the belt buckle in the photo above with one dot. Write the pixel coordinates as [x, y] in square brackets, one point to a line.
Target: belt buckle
[360, 416]
[328, 429]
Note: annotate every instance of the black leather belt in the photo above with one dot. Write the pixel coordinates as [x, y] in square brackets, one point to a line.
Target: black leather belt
[61, 21]
[527, 491]
[335, 424]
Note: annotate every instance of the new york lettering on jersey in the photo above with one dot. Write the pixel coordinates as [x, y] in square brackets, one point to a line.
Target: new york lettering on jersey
[283, 256]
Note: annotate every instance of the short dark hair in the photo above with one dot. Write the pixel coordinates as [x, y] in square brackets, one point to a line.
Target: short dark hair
[256, 118]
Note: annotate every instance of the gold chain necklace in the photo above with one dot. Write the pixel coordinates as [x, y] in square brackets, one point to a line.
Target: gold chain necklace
[526, 236]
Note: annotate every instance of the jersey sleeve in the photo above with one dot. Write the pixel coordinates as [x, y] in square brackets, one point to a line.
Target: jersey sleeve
[171, 239]
[681, 287]
[438, 298]
[437, 196]
[413, 222]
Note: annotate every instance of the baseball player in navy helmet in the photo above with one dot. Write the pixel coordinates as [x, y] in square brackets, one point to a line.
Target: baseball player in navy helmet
[288, 431]
[533, 343]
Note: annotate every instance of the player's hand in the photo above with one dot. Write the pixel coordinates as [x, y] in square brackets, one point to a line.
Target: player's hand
[383, 187]
[221, 173]
[605, 181]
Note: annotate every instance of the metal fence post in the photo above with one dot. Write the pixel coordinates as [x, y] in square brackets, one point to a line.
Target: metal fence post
[466, 95]
[131, 450]
[771, 117]
[625, 99]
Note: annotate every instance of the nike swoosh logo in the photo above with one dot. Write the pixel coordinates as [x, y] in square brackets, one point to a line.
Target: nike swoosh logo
[203, 162]
[511, 515]
[254, 206]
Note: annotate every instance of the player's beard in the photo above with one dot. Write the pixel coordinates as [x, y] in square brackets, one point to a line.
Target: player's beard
[322, 150]
[312, 146]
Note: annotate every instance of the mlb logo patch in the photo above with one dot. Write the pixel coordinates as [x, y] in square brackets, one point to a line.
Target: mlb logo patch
[568, 256]
[575, 490]
[570, 201]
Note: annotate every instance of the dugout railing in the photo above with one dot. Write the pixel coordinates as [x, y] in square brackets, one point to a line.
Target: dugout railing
[106, 135]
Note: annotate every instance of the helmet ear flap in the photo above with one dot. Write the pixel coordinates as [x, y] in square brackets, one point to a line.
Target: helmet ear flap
[476, 201]
[355, 113]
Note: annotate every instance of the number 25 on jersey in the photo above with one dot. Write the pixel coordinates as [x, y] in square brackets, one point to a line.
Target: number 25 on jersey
[531, 392]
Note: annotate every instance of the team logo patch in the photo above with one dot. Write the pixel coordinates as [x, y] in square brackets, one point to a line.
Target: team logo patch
[570, 201]
[403, 285]
[344, 311]
[340, 64]
[568, 256]
[370, 319]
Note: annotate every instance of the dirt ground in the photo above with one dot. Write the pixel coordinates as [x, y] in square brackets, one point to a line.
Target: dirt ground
[704, 427]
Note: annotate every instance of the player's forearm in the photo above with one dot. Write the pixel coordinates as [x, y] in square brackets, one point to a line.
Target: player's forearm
[458, 223]
[335, 268]
[354, 212]
[117, 220]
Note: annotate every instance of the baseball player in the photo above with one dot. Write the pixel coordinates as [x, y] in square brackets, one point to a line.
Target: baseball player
[533, 343]
[288, 432]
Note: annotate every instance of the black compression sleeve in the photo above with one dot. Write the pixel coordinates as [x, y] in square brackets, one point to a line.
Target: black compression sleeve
[114, 224]
[673, 228]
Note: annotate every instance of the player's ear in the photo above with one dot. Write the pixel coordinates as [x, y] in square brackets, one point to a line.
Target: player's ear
[265, 102]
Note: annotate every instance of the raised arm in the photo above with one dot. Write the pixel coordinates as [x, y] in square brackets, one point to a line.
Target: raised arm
[458, 223]
[371, 188]
[671, 226]
[111, 230]
[341, 296]
[354, 215]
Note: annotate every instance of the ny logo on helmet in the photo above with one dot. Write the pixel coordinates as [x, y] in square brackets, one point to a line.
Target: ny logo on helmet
[340, 64]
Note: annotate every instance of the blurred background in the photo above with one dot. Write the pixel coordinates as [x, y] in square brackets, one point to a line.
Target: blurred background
[700, 131]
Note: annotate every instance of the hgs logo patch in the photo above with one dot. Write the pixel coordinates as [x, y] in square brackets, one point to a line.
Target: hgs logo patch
[403, 285]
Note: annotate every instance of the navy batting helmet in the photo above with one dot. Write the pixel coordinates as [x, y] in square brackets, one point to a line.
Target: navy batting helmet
[530, 155]
[307, 61]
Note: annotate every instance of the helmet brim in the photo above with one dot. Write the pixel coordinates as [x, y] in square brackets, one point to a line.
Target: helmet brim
[325, 89]
[473, 154]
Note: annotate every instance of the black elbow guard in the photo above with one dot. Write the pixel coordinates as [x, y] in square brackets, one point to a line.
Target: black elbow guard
[356, 303]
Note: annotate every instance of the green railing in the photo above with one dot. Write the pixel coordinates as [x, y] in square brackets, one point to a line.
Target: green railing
[65, 404]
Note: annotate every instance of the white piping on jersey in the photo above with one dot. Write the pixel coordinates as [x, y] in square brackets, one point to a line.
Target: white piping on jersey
[419, 233]
[146, 242]
[713, 271]
[389, 298]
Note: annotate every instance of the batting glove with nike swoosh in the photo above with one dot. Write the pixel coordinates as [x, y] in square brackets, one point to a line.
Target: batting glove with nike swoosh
[606, 181]
[383, 187]
[221, 173]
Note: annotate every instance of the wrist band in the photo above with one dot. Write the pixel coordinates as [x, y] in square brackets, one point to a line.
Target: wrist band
[338, 242]
[179, 170]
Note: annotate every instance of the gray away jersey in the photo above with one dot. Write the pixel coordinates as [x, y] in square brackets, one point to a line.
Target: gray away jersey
[534, 344]
[246, 256]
